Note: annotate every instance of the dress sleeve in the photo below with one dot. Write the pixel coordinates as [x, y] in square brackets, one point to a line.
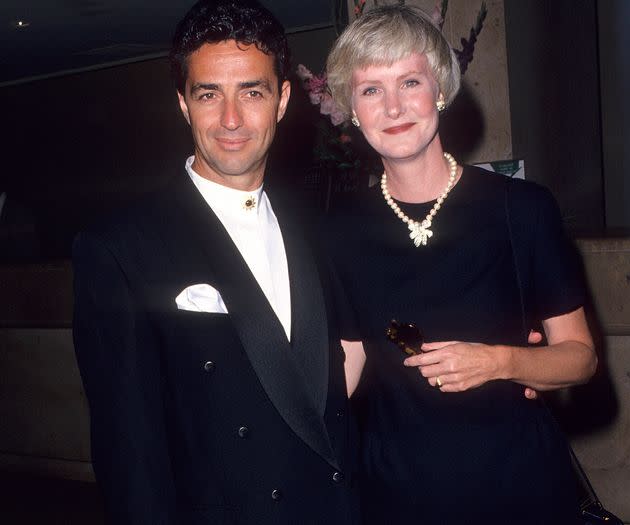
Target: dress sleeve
[557, 276]
[330, 237]
[346, 316]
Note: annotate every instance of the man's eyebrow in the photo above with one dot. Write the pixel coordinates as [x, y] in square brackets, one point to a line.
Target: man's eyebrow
[205, 87]
[264, 84]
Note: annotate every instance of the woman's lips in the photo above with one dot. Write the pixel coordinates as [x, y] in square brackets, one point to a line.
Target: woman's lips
[399, 129]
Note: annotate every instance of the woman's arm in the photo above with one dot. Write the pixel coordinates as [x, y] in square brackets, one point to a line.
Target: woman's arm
[569, 359]
[353, 365]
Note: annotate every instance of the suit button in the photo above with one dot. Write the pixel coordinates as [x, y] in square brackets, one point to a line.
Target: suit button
[340, 414]
[209, 367]
[243, 432]
[337, 477]
[276, 495]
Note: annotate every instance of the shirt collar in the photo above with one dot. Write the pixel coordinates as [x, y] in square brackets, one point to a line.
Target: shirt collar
[224, 199]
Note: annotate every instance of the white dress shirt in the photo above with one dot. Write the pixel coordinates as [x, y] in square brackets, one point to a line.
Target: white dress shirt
[249, 220]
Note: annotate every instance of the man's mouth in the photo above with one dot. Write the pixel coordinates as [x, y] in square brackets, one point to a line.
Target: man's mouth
[232, 143]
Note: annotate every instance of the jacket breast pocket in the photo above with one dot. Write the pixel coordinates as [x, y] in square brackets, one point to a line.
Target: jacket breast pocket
[190, 339]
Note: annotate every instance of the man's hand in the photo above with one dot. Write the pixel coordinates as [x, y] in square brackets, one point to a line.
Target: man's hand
[533, 338]
[530, 393]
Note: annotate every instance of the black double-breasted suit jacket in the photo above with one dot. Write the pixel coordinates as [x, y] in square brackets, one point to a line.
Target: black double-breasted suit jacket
[199, 417]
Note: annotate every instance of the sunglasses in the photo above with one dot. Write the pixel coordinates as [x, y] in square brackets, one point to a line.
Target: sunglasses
[406, 336]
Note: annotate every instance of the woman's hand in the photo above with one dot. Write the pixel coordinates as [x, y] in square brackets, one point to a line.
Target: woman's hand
[455, 366]
[568, 359]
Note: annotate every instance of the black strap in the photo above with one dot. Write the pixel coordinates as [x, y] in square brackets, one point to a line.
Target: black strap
[517, 267]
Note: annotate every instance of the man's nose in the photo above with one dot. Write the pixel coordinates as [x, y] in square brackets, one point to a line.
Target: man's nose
[231, 117]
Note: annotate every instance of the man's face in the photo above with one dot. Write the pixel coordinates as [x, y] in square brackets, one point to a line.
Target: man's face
[232, 103]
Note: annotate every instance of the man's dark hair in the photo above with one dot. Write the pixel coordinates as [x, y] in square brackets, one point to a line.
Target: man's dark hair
[212, 21]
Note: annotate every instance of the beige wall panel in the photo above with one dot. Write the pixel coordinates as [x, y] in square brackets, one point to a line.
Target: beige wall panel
[605, 453]
[607, 266]
[43, 409]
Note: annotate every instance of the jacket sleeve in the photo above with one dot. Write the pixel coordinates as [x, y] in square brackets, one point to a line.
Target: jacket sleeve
[119, 360]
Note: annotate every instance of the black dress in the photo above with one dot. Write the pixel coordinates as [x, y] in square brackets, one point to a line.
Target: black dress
[487, 455]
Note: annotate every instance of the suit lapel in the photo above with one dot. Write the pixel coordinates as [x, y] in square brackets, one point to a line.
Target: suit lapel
[270, 354]
[309, 324]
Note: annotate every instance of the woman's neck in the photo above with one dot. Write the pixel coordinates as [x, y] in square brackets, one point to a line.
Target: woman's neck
[421, 179]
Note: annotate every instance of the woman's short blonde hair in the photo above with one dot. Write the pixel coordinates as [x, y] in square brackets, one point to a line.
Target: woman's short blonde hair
[383, 36]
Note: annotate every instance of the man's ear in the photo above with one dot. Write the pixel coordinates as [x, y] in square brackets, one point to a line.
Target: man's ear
[285, 94]
[183, 106]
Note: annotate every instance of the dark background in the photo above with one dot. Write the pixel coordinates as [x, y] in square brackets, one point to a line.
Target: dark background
[79, 145]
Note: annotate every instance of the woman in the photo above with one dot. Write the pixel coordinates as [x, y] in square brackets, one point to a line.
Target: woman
[447, 435]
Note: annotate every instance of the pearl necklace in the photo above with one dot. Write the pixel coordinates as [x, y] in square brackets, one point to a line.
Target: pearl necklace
[420, 231]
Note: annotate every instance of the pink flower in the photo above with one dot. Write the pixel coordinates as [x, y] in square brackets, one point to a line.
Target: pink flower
[318, 94]
[337, 117]
[315, 98]
[317, 83]
[303, 73]
[345, 139]
[328, 107]
[359, 5]
[436, 16]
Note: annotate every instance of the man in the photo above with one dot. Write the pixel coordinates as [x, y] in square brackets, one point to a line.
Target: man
[202, 327]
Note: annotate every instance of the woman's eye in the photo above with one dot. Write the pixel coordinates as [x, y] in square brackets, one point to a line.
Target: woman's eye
[410, 83]
[369, 91]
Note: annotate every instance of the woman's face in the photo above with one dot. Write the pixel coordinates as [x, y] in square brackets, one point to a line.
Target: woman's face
[396, 106]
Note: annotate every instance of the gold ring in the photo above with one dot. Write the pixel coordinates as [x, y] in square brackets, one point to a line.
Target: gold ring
[438, 382]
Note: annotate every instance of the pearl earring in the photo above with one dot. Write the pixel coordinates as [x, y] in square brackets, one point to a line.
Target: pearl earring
[355, 120]
[440, 104]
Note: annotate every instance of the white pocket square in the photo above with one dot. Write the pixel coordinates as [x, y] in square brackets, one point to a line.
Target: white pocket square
[201, 298]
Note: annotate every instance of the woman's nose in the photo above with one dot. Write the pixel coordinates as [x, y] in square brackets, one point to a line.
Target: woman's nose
[393, 106]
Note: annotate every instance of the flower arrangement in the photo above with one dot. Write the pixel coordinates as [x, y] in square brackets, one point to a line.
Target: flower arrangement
[334, 145]
[318, 93]
[465, 54]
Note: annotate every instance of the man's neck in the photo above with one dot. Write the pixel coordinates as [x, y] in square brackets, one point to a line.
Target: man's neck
[244, 182]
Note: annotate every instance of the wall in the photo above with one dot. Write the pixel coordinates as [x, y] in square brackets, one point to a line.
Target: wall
[614, 55]
[554, 101]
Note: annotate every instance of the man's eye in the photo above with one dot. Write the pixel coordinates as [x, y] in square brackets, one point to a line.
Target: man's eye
[254, 94]
[207, 96]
